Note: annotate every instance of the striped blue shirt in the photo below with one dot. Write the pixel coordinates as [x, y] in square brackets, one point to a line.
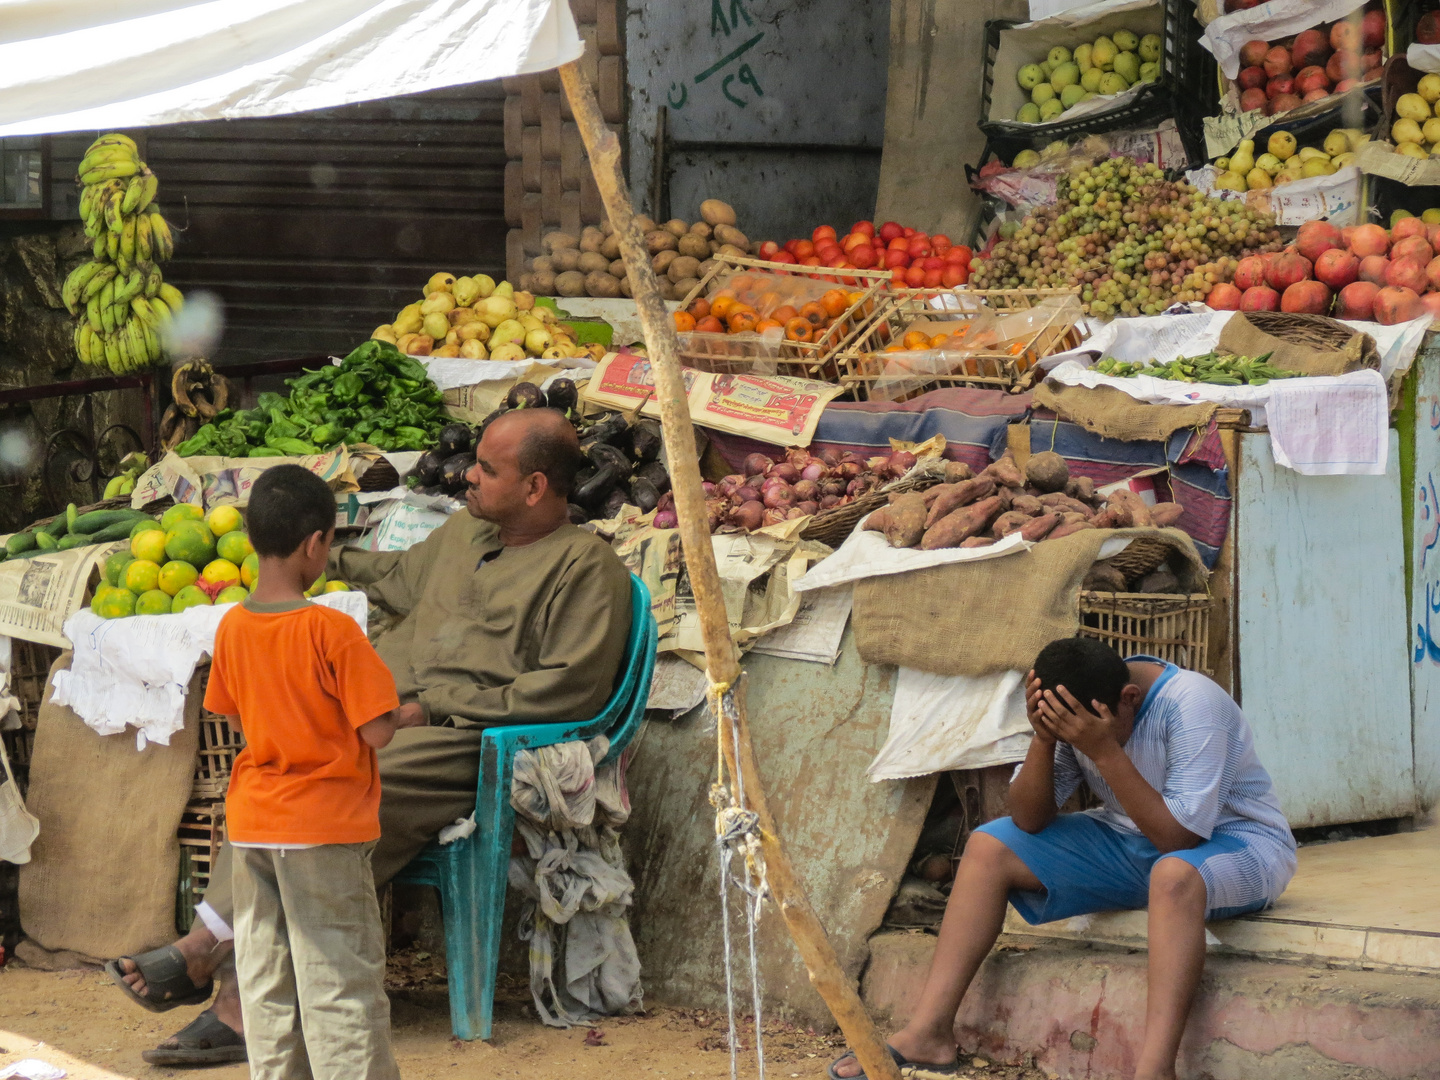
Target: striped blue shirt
[1192, 744]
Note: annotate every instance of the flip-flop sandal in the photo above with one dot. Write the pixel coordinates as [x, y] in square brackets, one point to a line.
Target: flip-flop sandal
[166, 984]
[900, 1061]
[204, 1041]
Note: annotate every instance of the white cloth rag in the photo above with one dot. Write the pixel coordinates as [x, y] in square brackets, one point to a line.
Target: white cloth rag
[944, 722]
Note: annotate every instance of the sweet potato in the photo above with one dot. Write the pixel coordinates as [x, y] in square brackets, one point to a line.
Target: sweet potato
[954, 496]
[1005, 472]
[956, 471]
[1008, 522]
[1104, 576]
[976, 541]
[1163, 515]
[1006, 497]
[1069, 517]
[905, 520]
[1128, 503]
[959, 526]
[878, 520]
[1106, 519]
[1047, 471]
[1065, 504]
[1082, 488]
[1027, 504]
[1069, 530]
[1039, 528]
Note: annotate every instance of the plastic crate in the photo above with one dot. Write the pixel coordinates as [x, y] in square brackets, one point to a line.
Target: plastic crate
[1183, 70]
[1173, 627]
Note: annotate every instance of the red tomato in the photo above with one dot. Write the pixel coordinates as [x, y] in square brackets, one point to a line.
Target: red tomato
[866, 227]
[895, 257]
[953, 275]
[790, 246]
[898, 243]
[915, 277]
[783, 257]
[863, 256]
[932, 262]
[890, 230]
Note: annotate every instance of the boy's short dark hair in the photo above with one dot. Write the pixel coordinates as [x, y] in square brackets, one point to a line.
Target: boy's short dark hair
[1089, 669]
[288, 504]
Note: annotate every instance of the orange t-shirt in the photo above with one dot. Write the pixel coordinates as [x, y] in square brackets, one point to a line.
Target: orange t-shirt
[301, 678]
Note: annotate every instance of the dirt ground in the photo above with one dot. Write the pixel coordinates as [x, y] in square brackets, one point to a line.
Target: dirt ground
[78, 1021]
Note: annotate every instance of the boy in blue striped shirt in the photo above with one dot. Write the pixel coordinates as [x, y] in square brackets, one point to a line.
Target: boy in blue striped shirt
[1189, 827]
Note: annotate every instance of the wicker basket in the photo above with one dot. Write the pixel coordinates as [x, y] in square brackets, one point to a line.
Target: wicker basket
[863, 358]
[743, 354]
[1314, 331]
[1172, 627]
[833, 526]
[380, 476]
[201, 832]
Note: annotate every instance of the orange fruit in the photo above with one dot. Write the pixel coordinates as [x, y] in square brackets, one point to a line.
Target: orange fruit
[811, 260]
[739, 283]
[804, 249]
[684, 321]
[894, 348]
[721, 303]
[815, 313]
[799, 329]
[834, 302]
[699, 307]
[768, 324]
[710, 325]
[916, 339]
[741, 320]
[784, 313]
[938, 341]
[768, 300]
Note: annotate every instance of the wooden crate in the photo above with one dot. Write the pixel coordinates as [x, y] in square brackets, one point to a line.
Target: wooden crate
[1174, 627]
[863, 358]
[201, 832]
[741, 354]
[29, 668]
[219, 744]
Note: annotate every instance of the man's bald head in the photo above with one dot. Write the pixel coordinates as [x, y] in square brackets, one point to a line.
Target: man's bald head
[545, 442]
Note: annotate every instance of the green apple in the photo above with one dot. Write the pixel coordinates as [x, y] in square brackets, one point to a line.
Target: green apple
[1042, 93]
[1029, 113]
[1029, 77]
[1071, 95]
[1127, 65]
[1051, 110]
[1150, 48]
[1103, 53]
[1090, 80]
[1149, 72]
[1066, 74]
[1081, 56]
[1125, 40]
[1059, 55]
[1113, 83]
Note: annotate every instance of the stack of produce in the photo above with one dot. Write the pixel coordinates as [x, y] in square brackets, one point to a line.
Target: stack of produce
[1277, 76]
[1214, 368]
[680, 254]
[916, 259]
[73, 529]
[121, 299]
[1415, 127]
[1107, 65]
[474, 318]
[1362, 271]
[747, 304]
[1132, 241]
[768, 492]
[374, 396]
[1042, 502]
[186, 559]
[1284, 160]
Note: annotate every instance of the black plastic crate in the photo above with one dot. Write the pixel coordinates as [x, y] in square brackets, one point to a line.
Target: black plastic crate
[1383, 196]
[1005, 146]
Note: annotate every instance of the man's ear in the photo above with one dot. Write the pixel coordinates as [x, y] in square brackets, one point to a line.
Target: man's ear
[539, 485]
[1131, 696]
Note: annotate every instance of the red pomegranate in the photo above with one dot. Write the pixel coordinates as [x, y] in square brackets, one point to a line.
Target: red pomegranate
[1260, 298]
[1357, 301]
[1431, 302]
[1311, 48]
[1370, 240]
[1346, 34]
[1371, 60]
[1315, 237]
[1413, 247]
[1311, 79]
[1251, 78]
[1306, 298]
[1396, 305]
[1346, 84]
[1315, 95]
[1432, 274]
[1249, 272]
[1407, 274]
[1432, 234]
[1254, 99]
[1280, 84]
[1277, 61]
[1345, 65]
[1252, 53]
[1286, 269]
[1223, 297]
[1347, 232]
[1372, 29]
[1408, 227]
[1373, 267]
[1284, 103]
[1337, 268]
[1427, 28]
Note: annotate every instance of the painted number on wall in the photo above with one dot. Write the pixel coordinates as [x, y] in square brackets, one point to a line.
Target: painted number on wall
[1427, 509]
[726, 19]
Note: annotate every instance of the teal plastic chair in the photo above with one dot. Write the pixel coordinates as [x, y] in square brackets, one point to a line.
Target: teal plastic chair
[471, 873]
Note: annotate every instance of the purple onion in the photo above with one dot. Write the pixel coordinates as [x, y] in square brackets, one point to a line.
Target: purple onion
[781, 496]
[729, 483]
[831, 457]
[747, 494]
[793, 513]
[784, 471]
[829, 502]
[748, 515]
[665, 519]
[849, 470]
[707, 487]
[807, 490]
[774, 516]
[858, 486]
[832, 485]
[798, 456]
[667, 501]
[756, 463]
[901, 462]
[814, 471]
[808, 506]
[756, 481]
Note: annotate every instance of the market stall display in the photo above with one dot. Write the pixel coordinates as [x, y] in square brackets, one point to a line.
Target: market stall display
[1283, 160]
[1329, 58]
[120, 296]
[1106, 66]
[914, 256]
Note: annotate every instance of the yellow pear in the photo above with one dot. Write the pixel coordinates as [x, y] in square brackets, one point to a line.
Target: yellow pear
[508, 331]
[1337, 142]
[1282, 145]
[437, 301]
[484, 285]
[1230, 181]
[537, 341]
[409, 320]
[473, 349]
[441, 282]
[384, 333]
[473, 331]
[1258, 178]
[494, 310]
[466, 290]
[1318, 167]
[504, 289]
[447, 350]
[508, 351]
[436, 325]
[1243, 160]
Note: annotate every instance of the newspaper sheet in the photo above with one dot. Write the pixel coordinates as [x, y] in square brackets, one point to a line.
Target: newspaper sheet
[678, 685]
[37, 595]
[815, 632]
[215, 481]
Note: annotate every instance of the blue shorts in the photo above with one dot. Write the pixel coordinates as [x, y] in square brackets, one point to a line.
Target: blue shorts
[1086, 866]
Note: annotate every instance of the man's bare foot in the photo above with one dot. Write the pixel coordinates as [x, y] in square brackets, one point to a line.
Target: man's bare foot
[203, 954]
[918, 1047]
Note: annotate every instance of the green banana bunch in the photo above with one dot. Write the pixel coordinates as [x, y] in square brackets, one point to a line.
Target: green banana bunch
[140, 191]
[143, 234]
[161, 240]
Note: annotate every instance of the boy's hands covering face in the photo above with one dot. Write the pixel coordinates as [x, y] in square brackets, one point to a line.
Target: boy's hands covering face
[1089, 730]
[1043, 731]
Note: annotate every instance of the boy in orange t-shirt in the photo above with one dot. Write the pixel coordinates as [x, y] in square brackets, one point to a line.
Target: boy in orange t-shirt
[315, 701]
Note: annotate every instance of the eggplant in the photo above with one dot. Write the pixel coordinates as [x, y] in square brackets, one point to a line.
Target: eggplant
[602, 454]
[578, 516]
[501, 411]
[592, 485]
[644, 495]
[611, 429]
[563, 395]
[525, 395]
[657, 474]
[427, 469]
[613, 504]
[645, 441]
[453, 470]
[455, 438]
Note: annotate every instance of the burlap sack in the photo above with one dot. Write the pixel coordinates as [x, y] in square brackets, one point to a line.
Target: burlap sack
[1311, 344]
[1114, 414]
[103, 873]
[995, 615]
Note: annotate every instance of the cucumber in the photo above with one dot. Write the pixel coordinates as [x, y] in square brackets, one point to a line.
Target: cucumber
[56, 529]
[21, 541]
[99, 519]
[45, 541]
[70, 515]
[73, 540]
[120, 530]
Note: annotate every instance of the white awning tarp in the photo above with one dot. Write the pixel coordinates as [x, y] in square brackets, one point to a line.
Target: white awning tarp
[77, 65]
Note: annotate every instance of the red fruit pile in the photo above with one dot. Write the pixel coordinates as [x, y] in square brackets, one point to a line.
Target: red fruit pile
[1329, 59]
[916, 259]
[1362, 271]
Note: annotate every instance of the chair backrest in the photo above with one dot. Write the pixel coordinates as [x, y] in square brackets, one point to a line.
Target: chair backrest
[620, 717]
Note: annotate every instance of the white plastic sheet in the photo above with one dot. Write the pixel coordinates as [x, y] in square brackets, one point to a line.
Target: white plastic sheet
[68, 66]
[943, 722]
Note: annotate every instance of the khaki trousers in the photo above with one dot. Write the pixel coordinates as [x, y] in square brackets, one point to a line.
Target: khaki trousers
[428, 778]
[311, 963]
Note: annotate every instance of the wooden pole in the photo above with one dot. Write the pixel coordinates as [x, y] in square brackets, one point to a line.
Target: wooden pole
[721, 659]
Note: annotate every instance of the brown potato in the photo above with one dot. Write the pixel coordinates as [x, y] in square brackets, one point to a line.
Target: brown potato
[660, 240]
[592, 262]
[617, 268]
[728, 234]
[625, 289]
[715, 212]
[570, 283]
[706, 267]
[684, 287]
[566, 259]
[644, 224]
[611, 247]
[601, 283]
[715, 246]
[555, 241]
[702, 230]
[676, 226]
[731, 249]
[542, 263]
[697, 247]
[606, 227]
[956, 471]
[543, 282]
[527, 281]
[683, 266]
[662, 260]
[1047, 471]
